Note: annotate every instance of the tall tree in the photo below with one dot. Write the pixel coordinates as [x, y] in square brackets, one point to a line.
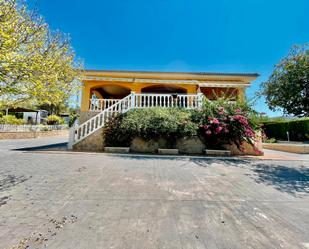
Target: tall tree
[288, 85]
[36, 64]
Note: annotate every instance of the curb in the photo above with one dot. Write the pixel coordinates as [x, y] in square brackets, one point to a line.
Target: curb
[183, 157]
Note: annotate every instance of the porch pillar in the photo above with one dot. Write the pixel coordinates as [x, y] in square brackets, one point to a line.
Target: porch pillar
[191, 89]
[132, 99]
[136, 88]
[200, 97]
[241, 94]
[85, 98]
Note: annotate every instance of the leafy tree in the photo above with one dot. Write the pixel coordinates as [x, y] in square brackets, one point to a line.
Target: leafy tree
[288, 86]
[36, 64]
[11, 119]
[54, 120]
[55, 109]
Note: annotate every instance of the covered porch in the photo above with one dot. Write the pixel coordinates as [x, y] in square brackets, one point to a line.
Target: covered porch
[157, 95]
[103, 89]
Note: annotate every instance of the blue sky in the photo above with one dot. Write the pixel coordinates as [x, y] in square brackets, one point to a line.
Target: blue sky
[182, 35]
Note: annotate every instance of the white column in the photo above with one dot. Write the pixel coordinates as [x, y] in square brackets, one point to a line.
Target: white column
[200, 100]
[71, 137]
[132, 100]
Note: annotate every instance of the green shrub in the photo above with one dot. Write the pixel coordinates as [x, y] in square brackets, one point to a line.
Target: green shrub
[150, 123]
[298, 129]
[73, 118]
[218, 122]
[10, 119]
[43, 128]
[270, 140]
[55, 120]
[1, 114]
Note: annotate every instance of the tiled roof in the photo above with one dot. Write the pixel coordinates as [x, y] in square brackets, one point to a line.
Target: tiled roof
[193, 73]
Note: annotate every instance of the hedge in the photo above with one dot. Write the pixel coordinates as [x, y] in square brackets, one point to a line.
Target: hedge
[10, 119]
[150, 123]
[54, 120]
[298, 130]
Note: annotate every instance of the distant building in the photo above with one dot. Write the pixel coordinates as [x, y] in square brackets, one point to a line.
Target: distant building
[66, 117]
[35, 117]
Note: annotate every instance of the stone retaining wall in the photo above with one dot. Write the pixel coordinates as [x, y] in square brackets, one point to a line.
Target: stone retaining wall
[84, 116]
[293, 148]
[94, 142]
[25, 135]
[191, 145]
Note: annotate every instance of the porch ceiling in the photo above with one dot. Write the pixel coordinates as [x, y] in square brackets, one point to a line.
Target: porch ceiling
[245, 77]
[112, 90]
[202, 79]
[208, 83]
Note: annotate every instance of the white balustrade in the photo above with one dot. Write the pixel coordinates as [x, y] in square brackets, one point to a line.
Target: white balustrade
[101, 104]
[188, 101]
[144, 100]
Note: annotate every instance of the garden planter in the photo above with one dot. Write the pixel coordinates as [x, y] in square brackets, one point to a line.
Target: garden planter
[256, 150]
[141, 145]
[190, 145]
[168, 151]
[117, 149]
[218, 152]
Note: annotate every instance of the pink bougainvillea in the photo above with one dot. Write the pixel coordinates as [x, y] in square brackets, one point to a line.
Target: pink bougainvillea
[224, 127]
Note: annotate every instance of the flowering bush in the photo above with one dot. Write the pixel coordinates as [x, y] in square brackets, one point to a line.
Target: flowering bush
[222, 123]
[219, 123]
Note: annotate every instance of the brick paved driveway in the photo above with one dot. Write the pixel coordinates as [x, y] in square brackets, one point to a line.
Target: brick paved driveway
[62, 200]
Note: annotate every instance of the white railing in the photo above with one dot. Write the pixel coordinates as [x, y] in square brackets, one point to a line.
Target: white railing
[31, 128]
[188, 101]
[101, 104]
[143, 100]
[85, 129]
[132, 101]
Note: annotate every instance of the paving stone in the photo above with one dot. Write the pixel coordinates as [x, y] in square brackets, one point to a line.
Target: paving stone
[88, 200]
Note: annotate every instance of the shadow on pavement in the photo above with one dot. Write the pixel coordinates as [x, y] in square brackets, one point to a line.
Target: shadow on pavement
[288, 179]
[57, 146]
[145, 156]
[292, 180]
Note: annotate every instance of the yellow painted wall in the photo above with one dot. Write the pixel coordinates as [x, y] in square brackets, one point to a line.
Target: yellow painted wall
[241, 94]
[90, 86]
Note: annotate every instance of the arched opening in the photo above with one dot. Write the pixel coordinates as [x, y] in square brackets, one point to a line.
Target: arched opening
[214, 93]
[111, 91]
[102, 97]
[169, 89]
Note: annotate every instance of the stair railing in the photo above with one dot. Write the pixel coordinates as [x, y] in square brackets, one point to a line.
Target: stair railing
[90, 126]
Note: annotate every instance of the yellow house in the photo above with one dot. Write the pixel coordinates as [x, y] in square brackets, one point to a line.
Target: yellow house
[106, 87]
[106, 93]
